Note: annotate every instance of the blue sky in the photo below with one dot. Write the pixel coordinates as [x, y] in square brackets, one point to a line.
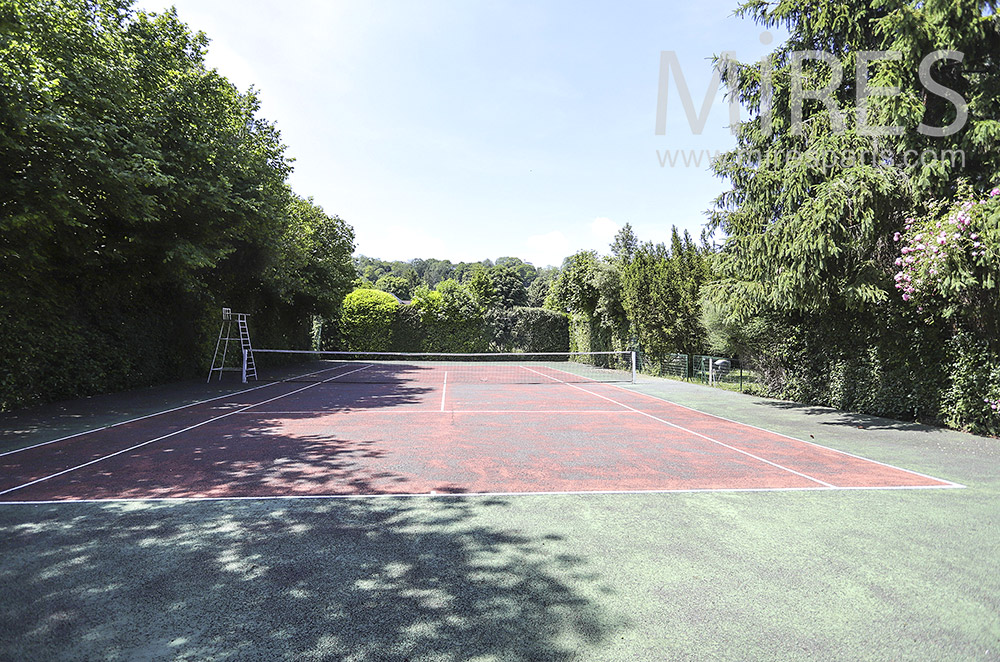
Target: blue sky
[468, 130]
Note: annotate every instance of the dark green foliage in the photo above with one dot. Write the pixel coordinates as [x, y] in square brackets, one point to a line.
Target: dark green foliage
[538, 291]
[643, 297]
[528, 330]
[661, 292]
[973, 386]
[141, 192]
[408, 331]
[452, 318]
[806, 287]
[588, 288]
[400, 287]
[508, 287]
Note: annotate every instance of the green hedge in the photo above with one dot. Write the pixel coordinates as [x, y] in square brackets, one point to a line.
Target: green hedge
[896, 367]
[524, 329]
[366, 320]
[374, 321]
[408, 331]
[78, 339]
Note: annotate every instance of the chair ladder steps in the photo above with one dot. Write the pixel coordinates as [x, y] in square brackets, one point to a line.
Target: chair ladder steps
[249, 369]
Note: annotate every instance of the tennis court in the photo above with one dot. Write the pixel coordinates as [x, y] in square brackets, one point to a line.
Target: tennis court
[369, 428]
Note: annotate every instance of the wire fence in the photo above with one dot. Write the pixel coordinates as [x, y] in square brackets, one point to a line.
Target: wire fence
[719, 371]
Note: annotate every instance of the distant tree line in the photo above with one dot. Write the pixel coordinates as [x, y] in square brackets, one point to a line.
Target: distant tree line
[507, 282]
[642, 296]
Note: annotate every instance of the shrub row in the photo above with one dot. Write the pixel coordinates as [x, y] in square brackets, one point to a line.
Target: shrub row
[371, 320]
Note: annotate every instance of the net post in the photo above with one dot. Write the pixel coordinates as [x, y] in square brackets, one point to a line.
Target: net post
[633, 366]
[244, 368]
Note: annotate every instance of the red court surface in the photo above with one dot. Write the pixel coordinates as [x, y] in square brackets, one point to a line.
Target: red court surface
[441, 435]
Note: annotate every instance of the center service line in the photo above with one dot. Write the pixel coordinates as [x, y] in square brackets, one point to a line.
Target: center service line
[444, 389]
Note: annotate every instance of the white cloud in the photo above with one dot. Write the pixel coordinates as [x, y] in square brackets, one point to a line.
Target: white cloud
[544, 250]
[398, 242]
[603, 230]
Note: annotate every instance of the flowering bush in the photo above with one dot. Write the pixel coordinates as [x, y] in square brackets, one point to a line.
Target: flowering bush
[949, 258]
[948, 268]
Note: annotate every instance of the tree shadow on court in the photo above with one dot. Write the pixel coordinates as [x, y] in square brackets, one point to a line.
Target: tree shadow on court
[382, 579]
[847, 419]
[334, 396]
[376, 578]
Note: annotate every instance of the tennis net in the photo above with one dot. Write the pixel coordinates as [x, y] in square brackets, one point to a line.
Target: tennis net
[404, 367]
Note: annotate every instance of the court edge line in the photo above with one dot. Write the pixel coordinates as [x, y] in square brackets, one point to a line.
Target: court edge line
[692, 432]
[447, 495]
[133, 420]
[755, 427]
[171, 434]
[786, 436]
[159, 413]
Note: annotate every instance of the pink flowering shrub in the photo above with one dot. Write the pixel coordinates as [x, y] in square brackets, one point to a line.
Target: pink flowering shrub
[949, 258]
[948, 268]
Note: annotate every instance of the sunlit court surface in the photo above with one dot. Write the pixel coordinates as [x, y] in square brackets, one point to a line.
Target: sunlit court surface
[369, 429]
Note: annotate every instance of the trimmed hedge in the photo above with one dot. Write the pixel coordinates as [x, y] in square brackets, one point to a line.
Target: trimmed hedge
[523, 329]
[372, 320]
[366, 320]
[894, 367]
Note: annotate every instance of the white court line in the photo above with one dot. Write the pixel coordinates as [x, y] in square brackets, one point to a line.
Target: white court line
[463, 495]
[789, 437]
[396, 412]
[132, 420]
[171, 434]
[444, 389]
[692, 432]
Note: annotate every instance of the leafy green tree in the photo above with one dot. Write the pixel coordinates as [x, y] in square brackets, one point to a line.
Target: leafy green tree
[538, 291]
[589, 289]
[661, 292]
[625, 245]
[575, 290]
[435, 271]
[526, 272]
[311, 267]
[396, 285]
[452, 317]
[141, 191]
[814, 204]
[507, 286]
[366, 320]
[482, 288]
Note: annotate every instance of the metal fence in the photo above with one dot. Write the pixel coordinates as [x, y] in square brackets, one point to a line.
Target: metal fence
[721, 371]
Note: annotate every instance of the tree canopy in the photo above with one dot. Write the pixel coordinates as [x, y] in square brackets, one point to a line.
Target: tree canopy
[142, 190]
